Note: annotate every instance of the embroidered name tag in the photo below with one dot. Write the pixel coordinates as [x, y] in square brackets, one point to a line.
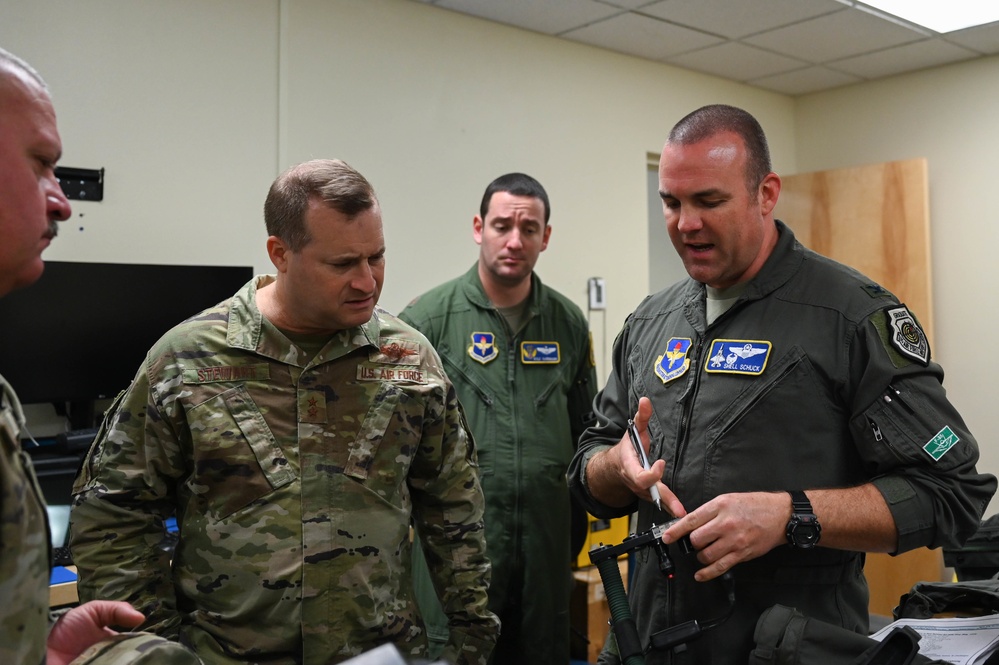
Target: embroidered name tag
[223, 373]
[539, 353]
[396, 374]
[738, 356]
[483, 348]
[938, 446]
[673, 363]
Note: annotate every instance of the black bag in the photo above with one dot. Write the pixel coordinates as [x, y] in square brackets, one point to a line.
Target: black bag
[784, 636]
[972, 598]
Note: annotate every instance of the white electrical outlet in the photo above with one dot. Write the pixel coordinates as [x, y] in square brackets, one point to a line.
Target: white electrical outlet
[597, 290]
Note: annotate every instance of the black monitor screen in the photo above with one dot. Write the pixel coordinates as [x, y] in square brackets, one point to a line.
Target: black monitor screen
[80, 332]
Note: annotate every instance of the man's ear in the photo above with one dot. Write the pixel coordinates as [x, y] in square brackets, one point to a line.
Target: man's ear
[477, 225]
[278, 252]
[769, 193]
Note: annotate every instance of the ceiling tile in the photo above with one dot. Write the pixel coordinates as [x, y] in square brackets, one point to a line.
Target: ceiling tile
[833, 36]
[899, 59]
[644, 37]
[803, 81]
[984, 38]
[738, 19]
[548, 17]
[737, 61]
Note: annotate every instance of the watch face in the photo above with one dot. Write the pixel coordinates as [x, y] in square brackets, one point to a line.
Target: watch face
[804, 531]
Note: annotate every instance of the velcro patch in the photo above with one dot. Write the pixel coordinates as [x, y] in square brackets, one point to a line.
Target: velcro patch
[738, 356]
[539, 353]
[673, 363]
[938, 446]
[395, 374]
[226, 373]
[906, 336]
[397, 352]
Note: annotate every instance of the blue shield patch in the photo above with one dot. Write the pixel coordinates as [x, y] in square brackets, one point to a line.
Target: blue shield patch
[539, 353]
[738, 356]
[483, 348]
[673, 363]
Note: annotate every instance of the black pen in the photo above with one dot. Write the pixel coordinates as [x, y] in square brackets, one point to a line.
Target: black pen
[636, 440]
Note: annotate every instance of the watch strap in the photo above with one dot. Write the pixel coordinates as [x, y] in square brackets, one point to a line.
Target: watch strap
[800, 502]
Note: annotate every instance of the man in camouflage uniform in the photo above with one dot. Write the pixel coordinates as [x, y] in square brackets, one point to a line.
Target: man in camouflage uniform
[295, 430]
[31, 203]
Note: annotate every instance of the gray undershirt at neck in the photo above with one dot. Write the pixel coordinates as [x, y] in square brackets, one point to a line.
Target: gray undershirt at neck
[720, 301]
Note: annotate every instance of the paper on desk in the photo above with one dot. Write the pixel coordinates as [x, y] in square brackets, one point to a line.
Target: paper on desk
[963, 641]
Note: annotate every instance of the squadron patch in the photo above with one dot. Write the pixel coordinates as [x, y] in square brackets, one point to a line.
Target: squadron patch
[738, 356]
[483, 348]
[906, 336]
[539, 353]
[673, 363]
[938, 446]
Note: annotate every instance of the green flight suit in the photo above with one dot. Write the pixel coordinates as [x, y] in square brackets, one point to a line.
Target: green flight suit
[528, 396]
[804, 383]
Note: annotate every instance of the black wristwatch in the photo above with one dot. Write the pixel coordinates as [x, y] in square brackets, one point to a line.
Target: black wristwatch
[803, 529]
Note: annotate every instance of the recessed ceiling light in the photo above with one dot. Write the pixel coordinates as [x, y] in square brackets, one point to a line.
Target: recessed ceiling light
[940, 16]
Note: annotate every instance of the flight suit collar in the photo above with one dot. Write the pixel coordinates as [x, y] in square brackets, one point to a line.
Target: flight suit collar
[476, 293]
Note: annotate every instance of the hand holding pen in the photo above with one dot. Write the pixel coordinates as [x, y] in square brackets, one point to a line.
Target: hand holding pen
[636, 440]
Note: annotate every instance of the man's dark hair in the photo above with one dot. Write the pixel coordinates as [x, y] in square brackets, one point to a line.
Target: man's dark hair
[710, 120]
[518, 184]
[332, 181]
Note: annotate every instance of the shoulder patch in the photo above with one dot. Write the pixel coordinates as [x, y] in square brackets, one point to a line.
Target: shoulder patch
[938, 446]
[906, 336]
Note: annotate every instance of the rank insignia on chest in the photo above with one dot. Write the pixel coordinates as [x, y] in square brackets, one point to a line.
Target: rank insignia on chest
[906, 335]
[483, 348]
[673, 363]
[738, 356]
[539, 353]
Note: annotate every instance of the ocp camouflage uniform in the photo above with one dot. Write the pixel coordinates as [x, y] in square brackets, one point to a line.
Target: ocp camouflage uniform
[24, 544]
[293, 481]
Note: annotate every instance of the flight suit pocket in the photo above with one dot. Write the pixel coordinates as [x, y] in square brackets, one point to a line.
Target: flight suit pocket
[236, 457]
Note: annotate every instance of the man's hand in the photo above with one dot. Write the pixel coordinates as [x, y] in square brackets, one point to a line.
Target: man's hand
[732, 528]
[86, 625]
[616, 476]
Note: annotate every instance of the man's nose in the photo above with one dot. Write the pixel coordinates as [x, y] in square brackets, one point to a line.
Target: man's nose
[56, 203]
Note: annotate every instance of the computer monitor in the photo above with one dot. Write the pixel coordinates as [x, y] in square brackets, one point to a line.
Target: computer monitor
[81, 331]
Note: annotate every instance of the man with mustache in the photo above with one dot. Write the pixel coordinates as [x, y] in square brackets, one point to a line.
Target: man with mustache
[520, 358]
[31, 205]
[296, 431]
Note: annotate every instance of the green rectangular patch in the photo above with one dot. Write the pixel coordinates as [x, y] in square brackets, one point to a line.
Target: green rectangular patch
[938, 446]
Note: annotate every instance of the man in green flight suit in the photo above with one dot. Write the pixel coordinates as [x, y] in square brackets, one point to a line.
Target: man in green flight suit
[520, 357]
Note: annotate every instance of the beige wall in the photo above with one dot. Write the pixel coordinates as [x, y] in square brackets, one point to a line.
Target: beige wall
[193, 107]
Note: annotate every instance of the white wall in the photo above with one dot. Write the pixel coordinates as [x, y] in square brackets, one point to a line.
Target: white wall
[949, 115]
[193, 108]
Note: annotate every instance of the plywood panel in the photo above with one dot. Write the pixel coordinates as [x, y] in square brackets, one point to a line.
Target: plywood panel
[876, 219]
